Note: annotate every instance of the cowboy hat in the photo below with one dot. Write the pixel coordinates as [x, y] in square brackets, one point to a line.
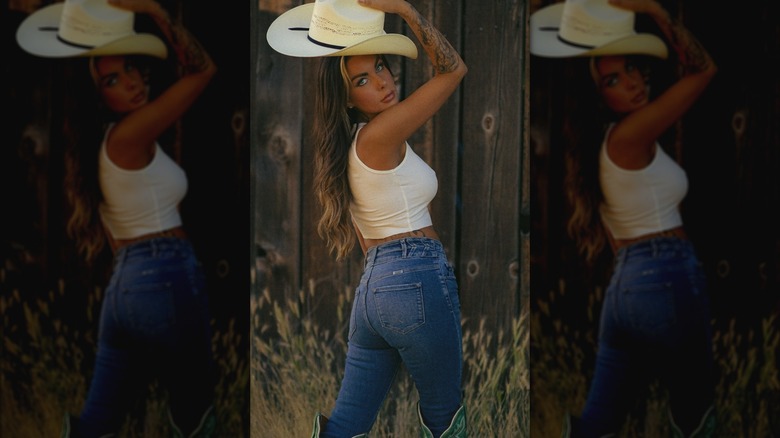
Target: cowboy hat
[85, 28]
[335, 28]
[589, 28]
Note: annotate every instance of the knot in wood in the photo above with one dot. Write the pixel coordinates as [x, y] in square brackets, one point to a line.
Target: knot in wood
[488, 122]
[738, 123]
[279, 148]
[238, 123]
[723, 268]
[223, 268]
[514, 270]
[472, 268]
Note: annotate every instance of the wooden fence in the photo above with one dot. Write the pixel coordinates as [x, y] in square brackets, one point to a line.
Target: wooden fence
[729, 143]
[475, 144]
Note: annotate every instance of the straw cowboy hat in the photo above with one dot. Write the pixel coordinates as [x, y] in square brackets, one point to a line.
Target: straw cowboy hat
[589, 28]
[85, 28]
[335, 28]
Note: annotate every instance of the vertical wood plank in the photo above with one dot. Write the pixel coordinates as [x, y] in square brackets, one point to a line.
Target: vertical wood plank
[276, 136]
[438, 141]
[492, 136]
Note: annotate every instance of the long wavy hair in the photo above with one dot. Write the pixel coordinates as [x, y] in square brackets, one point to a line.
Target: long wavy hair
[86, 120]
[335, 125]
[585, 134]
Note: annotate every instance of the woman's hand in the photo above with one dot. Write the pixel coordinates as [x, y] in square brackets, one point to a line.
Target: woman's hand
[389, 6]
[650, 7]
[140, 129]
[386, 134]
[150, 7]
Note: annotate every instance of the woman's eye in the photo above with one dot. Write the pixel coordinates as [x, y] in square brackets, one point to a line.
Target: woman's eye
[380, 67]
[109, 82]
[361, 82]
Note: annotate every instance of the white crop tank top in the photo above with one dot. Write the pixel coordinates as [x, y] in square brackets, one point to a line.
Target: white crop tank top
[641, 201]
[387, 202]
[140, 201]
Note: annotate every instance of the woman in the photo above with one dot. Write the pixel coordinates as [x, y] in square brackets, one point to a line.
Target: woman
[624, 189]
[124, 189]
[374, 189]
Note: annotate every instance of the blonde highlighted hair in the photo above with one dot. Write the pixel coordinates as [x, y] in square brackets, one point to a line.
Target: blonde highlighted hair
[334, 127]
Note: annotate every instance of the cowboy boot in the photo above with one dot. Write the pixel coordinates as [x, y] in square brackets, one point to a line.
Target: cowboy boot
[705, 428]
[68, 424]
[569, 428]
[566, 429]
[457, 428]
[66, 427]
[319, 423]
[205, 429]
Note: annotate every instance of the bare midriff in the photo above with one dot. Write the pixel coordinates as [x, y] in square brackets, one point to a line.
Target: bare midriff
[677, 232]
[428, 232]
[177, 232]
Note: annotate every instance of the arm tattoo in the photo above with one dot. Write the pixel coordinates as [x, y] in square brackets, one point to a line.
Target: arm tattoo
[693, 57]
[442, 54]
[192, 57]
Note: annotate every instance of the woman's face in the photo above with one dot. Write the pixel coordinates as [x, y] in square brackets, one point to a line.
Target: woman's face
[120, 84]
[371, 86]
[621, 84]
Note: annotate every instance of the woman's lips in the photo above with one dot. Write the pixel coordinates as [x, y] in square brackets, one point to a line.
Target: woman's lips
[140, 97]
[639, 97]
[390, 96]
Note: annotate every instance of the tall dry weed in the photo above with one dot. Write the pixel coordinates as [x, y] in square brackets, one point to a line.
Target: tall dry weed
[297, 368]
[45, 365]
[747, 393]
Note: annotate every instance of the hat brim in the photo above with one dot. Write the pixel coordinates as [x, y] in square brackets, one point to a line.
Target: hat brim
[545, 42]
[37, 35]
[288, 35]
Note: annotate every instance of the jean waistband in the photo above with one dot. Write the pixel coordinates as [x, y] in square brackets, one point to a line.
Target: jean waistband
[655, 246]
[154, 246]
[406, 247]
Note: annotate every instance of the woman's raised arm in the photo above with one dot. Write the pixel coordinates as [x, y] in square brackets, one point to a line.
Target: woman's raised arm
[646, 125]
[142, 127]
[395, 125]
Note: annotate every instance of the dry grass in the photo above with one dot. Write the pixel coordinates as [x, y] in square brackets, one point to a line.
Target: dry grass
[45, 366]
[297, 366]
[747, 395]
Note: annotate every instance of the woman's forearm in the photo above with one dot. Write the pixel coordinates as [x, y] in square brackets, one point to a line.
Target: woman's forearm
[693, 57]
[191, 55]
[444, 57]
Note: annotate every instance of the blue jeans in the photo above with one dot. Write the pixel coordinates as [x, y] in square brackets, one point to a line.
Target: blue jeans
[154, 323]
[655, 323]
[406, 309]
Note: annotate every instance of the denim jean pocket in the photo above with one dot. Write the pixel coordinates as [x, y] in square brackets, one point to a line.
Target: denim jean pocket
[400, 307]
[651, 309]
[150, 308]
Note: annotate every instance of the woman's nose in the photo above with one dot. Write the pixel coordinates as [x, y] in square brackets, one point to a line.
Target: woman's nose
[132, 83]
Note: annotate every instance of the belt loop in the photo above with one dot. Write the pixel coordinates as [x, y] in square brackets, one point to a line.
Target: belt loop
[153, 243]
[622, 256]
[404, 247]
[656, 246]
[122, 256]
[371, 256]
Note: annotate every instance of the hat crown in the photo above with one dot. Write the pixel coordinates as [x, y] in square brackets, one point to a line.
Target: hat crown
[342, 23]
[593, 23]
[92, 23]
